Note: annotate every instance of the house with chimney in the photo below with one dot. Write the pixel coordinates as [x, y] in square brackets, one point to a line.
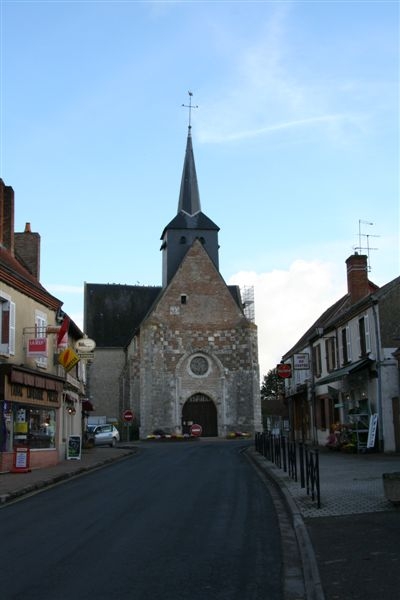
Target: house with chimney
[40, 402]
[344, 387]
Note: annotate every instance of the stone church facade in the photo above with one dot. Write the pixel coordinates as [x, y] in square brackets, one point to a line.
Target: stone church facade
[183, 353]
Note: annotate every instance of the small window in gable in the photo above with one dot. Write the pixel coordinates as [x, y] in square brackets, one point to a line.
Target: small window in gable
[183, 299]
[182, 240]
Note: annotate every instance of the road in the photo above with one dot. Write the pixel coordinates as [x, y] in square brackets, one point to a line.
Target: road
[181, 521]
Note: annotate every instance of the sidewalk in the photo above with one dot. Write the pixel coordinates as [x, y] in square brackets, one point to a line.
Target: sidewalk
[353, 539]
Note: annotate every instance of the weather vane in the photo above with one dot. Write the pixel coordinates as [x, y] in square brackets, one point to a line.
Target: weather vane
[190, 106]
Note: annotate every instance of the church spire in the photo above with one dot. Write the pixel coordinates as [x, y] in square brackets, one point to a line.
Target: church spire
[189, 197]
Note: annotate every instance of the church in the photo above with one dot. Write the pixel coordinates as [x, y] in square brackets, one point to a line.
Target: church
[182, 353]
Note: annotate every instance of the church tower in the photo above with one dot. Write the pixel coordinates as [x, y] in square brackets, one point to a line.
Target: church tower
[189, 224]
[183, 353]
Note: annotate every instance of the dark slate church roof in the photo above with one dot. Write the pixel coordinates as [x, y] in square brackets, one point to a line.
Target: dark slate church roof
[184, 221]
[114, 312]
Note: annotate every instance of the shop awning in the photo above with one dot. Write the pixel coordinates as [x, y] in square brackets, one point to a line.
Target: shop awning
[347, 370]
[87, 406]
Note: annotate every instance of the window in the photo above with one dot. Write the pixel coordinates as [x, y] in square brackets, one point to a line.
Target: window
[7, 325]
[317, 360]
[34, 427]
[346, 347]
[182, 240]
[363, 329]
[40, 332]
[183, 298]
[330, 353]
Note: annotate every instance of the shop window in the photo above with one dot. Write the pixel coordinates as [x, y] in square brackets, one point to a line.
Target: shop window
[34, 427]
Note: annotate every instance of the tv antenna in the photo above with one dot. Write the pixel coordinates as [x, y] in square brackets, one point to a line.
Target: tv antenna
[363, 246]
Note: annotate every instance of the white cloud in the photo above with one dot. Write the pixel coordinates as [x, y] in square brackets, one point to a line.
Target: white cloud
[287, 302]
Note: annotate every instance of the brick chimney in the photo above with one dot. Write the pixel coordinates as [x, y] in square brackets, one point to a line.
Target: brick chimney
[357, 277]
[27, 250]
[7, 217]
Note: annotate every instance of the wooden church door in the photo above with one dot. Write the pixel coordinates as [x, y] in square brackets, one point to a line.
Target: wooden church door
[200, 409]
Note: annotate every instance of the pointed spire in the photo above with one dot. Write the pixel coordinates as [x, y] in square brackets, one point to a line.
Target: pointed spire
[189, 197]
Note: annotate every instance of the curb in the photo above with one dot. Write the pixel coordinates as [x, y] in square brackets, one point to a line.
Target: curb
[311, 576]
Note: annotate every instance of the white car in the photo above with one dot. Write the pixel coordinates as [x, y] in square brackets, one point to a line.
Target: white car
[103, 435]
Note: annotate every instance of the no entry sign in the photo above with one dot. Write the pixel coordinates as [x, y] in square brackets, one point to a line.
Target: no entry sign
[128, 416]
[284, 370]
[196, 430]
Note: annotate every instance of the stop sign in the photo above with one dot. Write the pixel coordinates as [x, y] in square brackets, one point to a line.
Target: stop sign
[128, 415]
[196, 430]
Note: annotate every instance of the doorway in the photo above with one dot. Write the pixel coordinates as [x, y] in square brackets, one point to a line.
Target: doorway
[200, 409]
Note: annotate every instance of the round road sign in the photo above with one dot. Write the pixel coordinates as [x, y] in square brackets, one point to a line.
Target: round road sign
[128, 416]
[196, 430]
[284, 370]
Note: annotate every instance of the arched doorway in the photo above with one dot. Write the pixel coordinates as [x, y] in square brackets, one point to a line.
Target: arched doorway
[200, 409]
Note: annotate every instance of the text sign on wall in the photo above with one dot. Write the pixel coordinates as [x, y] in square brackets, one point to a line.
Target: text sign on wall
[372, 430]
[301, 361]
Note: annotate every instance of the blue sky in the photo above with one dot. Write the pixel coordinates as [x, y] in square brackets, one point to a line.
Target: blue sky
[296, 140]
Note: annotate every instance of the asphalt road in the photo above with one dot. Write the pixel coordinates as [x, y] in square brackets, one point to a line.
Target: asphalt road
[187, 521]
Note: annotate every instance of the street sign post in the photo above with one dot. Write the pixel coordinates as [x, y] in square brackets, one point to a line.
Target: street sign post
[128, 415]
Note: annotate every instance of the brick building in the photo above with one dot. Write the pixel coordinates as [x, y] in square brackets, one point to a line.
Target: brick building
[181, 353]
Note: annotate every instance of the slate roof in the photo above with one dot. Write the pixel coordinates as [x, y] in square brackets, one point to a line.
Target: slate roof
[189, 197]
[113, 312]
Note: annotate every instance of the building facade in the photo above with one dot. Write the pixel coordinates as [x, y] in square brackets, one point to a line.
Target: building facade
[191, 356]
[344, 388]
[40, 404]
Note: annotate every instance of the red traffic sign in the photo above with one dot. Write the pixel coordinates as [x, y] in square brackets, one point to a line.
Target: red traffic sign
[128, 416]
[284, 370]
[196, 430]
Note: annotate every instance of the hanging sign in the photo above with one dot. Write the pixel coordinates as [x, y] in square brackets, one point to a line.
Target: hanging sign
[74, 447]
[68, 359]
[37, 347]
[301, 361]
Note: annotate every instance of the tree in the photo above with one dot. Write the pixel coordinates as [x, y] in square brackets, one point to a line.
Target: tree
[272, 385]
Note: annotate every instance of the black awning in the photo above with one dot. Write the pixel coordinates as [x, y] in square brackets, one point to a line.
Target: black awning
[347, 370]
[87, 406]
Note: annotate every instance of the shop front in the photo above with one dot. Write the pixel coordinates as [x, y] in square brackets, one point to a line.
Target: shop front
[29, 418]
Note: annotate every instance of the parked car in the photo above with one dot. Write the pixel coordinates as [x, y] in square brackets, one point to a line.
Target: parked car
[103, 435]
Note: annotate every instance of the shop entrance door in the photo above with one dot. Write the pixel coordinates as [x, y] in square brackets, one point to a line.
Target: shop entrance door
[200, 409]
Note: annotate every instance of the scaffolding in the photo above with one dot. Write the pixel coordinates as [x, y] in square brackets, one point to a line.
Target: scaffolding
[247, 293]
